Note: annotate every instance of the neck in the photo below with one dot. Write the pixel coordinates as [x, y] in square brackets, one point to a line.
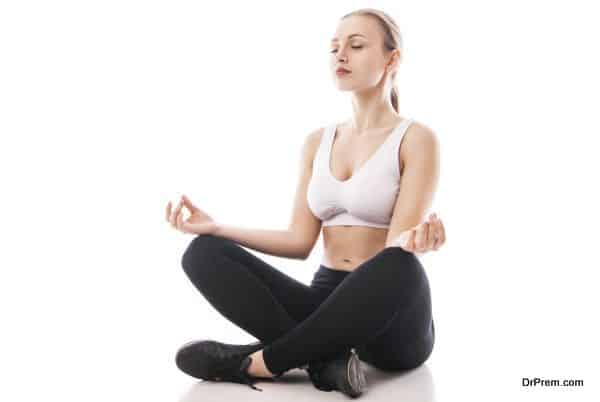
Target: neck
[372, 109]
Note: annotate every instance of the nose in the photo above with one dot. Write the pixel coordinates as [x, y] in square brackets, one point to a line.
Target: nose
[340, 54]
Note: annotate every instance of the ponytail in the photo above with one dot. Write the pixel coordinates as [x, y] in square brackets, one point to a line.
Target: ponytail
[394, 98]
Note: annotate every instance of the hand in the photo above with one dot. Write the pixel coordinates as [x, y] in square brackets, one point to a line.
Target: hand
[199, 221]
[429, 235]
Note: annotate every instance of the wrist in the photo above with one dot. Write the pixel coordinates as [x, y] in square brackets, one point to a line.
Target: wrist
[217, 229]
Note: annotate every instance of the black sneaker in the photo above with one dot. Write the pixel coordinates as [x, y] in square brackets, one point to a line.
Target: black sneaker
[343, 373]
[216, 361]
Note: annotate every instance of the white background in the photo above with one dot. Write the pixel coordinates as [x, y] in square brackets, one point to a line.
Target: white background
[109, 109]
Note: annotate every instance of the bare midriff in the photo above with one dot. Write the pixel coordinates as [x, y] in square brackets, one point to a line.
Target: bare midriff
[346, 247]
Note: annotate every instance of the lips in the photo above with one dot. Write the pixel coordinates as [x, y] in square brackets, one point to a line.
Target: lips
[342, 70]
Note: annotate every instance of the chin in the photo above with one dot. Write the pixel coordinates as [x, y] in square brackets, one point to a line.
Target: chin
[344, 86]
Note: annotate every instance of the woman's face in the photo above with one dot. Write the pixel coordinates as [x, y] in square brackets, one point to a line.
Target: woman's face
[357, 45]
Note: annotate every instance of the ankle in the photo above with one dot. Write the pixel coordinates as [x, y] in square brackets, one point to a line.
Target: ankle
[257, 366]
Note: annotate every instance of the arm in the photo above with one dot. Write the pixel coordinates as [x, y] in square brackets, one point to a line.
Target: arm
[299, 238]
[420, 151]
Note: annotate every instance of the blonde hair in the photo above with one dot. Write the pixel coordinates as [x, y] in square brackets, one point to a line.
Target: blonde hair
[392, 40]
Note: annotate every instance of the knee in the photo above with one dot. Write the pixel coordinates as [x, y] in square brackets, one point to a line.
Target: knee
[203, 248]
[403, 263]
[401, 364]
[400, 256]
[406, 358]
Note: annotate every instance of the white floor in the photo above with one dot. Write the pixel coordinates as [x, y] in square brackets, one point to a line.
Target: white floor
[411, 386]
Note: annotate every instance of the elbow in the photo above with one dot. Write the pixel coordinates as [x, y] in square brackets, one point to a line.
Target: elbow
[306, 249]
[302, 254]
[303, 251]
[302, 247]
[297, 256]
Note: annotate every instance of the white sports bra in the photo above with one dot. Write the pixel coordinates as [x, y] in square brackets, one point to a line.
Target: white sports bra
[367, 198]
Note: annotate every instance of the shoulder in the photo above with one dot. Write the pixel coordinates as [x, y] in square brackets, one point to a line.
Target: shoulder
[313, 138]
[419, 141]
[311, 143]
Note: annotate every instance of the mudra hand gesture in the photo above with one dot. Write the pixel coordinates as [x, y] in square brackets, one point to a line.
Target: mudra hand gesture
[426, 236]
[199, 221]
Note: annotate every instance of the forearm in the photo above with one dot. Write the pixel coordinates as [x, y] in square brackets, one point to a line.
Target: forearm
[281, 243]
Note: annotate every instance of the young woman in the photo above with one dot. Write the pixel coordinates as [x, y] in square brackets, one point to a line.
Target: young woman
[367, 183]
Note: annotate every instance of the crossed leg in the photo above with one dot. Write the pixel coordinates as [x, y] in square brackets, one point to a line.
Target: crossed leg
[246, 290]
[382, 308]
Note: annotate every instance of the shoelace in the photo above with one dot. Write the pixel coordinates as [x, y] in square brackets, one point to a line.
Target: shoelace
[247, 378]
[237, 373]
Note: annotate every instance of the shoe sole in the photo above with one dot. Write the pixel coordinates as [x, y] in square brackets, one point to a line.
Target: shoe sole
[356, 377]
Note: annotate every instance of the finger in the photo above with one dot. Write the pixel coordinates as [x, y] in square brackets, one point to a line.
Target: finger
[427, 236]
[436, 243]
[439, 234]
[178, 214]
[168, 210]
[409, 243]
[171, 216]
[188, 203]
[174, 215]
[442, 233]
[434, 234]
[431, 235]
[412, 241]
[179, 221]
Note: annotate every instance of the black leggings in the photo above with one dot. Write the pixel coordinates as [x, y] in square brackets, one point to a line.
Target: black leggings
[382, 309]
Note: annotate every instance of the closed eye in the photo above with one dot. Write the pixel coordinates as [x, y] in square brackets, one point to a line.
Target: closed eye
[353, 47]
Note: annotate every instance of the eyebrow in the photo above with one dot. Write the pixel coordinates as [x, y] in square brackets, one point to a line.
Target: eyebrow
[349, 36]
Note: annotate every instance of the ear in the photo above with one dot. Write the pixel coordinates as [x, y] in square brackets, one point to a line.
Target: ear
[395, 60]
